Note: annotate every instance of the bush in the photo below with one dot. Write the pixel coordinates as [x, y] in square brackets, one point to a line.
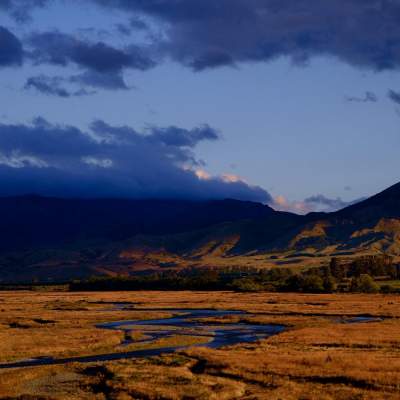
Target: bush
[246, 285]
[364, 284]
[388, 289]
[337, 270]
[330, 284]
[313, 284]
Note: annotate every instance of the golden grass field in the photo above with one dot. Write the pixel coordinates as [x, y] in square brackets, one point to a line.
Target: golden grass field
[315, 358]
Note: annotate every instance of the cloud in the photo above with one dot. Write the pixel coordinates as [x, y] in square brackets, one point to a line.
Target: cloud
[97, 162]
[110, 161]
[102, 64]
[21, 10]
[369, 97]
[207, 33]
[394, 96]
[281, 203]
[16, 160]
[322, 203]
[61, 49]
[53, 86]
[138, 24]
[123, 29]
[174, 136]
[94, 79]
[228, 178]
[211, 59]
[11, 52]
[317, 203]
[134, 24]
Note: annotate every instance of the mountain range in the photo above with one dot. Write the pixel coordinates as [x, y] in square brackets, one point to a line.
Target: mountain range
[50, 239]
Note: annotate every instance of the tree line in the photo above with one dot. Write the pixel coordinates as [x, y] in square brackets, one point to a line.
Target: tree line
[358, 275]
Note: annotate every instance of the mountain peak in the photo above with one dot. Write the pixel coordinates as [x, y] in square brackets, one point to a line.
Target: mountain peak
[385, 204]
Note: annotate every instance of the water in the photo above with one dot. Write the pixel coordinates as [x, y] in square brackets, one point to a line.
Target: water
[184, 322]
[361, 319]
[188, 322]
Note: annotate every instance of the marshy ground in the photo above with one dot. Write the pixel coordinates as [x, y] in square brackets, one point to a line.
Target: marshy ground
[320, 355]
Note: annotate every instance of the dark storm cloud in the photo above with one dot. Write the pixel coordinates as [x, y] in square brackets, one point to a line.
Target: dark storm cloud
[61, 49]
[138, 24]
[124, 29]
[11, 52]
[134, 24]
[174, 136]
[203, 34]
[47, 85]
[53, 86]
[394, 96]
[102, 65]
[110, 161]
[209, 33]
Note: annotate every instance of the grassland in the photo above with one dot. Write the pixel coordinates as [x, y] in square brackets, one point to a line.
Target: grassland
[317, 357]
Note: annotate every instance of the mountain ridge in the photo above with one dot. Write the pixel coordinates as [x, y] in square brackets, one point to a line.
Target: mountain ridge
[51, 239]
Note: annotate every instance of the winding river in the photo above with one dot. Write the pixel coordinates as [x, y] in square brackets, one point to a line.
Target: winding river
[184, 322]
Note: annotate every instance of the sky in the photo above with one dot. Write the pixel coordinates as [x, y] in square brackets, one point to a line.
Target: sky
[293, 103]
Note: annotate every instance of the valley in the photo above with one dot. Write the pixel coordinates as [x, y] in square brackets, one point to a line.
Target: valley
[332, 347]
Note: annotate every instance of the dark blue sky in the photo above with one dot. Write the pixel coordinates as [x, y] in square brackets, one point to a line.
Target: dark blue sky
[294, 103]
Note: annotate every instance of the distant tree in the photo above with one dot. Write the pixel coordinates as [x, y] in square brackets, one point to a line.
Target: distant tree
[388, 289]
[313, 284]
[364, 284]
[337, 270]
[330, 283]
[246, 285]
[278, 275]
[377, 265]
[292, 284]
[392, 271]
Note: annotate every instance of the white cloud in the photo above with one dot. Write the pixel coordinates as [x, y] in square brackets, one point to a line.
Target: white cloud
[281, 203]
[17, 160]
[98, 162]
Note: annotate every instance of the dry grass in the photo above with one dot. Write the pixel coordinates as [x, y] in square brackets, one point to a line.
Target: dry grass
[171, 341]
[316, 358]
[48, 324]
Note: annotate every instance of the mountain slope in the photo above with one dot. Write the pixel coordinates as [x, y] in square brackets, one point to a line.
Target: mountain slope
[385, 204]
[34, 221]
[369, 227]
[59, 239]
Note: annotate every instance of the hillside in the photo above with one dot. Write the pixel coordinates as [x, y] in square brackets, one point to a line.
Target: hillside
[33, 221]
[60, 239]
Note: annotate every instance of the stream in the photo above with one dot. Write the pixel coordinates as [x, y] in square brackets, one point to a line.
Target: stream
[184, 322]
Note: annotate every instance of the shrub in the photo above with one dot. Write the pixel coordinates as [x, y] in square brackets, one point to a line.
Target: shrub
[330, 284]
[313, 284]
[246, 285]
[388, 289]
[364, 284]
